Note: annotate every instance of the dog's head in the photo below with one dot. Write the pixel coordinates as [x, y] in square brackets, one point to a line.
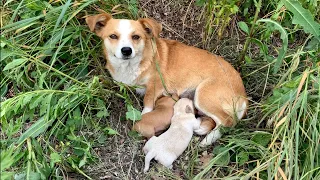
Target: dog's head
[123, 39]
[183, 105]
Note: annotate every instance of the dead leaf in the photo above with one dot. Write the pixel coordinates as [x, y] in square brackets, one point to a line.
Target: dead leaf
[205, 158]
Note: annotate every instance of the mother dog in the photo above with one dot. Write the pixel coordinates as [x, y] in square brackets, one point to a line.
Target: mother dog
[134, 50]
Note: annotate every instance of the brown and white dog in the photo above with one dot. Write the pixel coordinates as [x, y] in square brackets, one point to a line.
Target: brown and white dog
[134, 50]
[157, 120]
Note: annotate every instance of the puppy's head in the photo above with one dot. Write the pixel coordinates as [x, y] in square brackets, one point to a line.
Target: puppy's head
[123, 39]
[184, 105]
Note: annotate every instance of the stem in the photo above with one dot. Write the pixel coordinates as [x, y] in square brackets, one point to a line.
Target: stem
[46, 66]
[246, 44]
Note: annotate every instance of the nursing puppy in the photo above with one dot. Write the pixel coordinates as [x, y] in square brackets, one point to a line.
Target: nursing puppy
[167, 147]
[157, 120]
[136, 56]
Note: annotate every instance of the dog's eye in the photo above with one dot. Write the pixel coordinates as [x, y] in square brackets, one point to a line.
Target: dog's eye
[135, 37]
[113, 36]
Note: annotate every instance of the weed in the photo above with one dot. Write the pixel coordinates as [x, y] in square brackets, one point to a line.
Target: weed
[217, 17]
[51, 102]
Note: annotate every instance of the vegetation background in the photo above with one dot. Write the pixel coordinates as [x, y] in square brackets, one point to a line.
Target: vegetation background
[63, 117]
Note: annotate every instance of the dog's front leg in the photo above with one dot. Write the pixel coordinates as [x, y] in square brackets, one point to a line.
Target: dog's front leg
[153, 92]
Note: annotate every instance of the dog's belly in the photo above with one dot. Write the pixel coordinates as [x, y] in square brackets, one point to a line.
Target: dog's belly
[188, 94]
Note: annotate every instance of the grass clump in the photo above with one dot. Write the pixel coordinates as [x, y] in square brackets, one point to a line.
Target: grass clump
[54, 90]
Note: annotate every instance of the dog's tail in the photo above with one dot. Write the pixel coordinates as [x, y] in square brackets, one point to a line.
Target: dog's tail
[150, 155]
[207, 124]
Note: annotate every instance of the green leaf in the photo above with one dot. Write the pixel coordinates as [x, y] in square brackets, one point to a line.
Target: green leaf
[102, 113]
[262, 138]
[37, 128]
[65, 7]
[45, 104]
[312, 44]
[244, 27]
[26, 99]
[110, 131]
[42, 80]
[4, 90]
[14, 63]
[284, 37]
[102, 139]
[248, 59]
[224, 154]
[77, 114]
[54, 158]
[29, 175]
[133, 114]
[7, 159]
[303, 17]
[242, 157]
[5, 53]
[35, 101]
[83, 161]
[201, 2]
[6, 175]
[263, 47]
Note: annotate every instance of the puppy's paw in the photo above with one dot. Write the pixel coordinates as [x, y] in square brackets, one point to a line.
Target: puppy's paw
[146, 110]
[212, 137]
[206, 125]
[145, 170]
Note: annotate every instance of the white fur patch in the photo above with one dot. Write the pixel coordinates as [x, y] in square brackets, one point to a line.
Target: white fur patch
[124, 29]
[202, 130]
[212, 137]
[125, 71]
[241, 111]
[141, 91]
[146, 110]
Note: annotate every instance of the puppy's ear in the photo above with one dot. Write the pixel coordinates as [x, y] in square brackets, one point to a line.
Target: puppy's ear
[96, 22]
[151, 27]
[189, 109]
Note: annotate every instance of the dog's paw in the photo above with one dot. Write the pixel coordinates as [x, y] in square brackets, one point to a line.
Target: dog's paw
[145, 170]
[146, 110]
[212, 137]
[206, 125]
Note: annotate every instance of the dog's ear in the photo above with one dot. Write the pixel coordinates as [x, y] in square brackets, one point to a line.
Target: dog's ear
[96, 22]
[151, 27]
[189, 109]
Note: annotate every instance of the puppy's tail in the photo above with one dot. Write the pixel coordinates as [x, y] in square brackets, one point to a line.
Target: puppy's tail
[207, 124]
[147, 160]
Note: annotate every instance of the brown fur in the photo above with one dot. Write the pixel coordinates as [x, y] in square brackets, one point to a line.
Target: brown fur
[157, 120]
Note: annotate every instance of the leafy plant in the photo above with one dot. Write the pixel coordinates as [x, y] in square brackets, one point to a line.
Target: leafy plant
[218, 16]
[50, 99]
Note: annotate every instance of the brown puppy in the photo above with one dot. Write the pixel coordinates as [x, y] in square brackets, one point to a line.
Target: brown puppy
[137, 56]
[157, 120]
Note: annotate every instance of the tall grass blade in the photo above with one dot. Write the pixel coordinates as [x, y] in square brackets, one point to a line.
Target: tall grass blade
[303, 17]
[284, 37]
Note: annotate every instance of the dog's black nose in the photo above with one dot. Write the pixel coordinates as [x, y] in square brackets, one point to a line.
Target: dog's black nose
[126, 51]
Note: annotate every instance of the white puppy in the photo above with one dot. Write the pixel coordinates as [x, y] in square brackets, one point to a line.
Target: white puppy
[170, 145]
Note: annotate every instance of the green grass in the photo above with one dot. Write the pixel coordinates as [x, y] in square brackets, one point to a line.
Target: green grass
[56, 95]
